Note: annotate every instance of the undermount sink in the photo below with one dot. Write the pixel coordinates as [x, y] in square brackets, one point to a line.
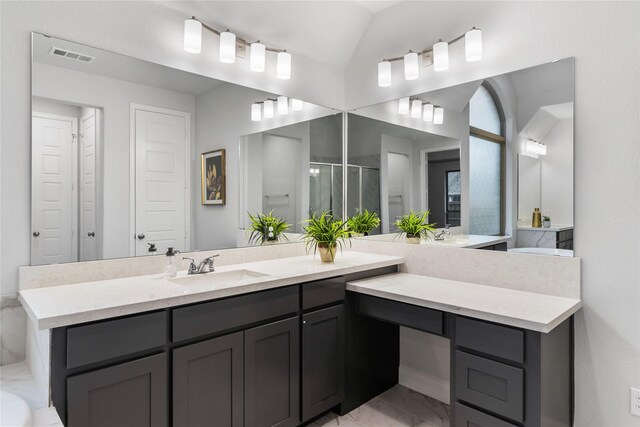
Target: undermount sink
[451, 242]
[217, 278]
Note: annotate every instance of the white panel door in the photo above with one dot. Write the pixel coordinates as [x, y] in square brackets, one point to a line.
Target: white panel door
[161, 142]
[87, 213]
[52, 219]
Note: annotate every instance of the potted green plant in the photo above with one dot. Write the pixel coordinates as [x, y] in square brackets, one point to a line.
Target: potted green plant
[362, 223]
[324, 234]
[267, 229]
[414, 226]
[546, 221]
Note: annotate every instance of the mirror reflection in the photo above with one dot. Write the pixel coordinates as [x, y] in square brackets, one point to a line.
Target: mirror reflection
[130, 157]
[479, 157]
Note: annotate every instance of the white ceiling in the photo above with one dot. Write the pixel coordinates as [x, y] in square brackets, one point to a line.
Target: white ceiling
[326, 31]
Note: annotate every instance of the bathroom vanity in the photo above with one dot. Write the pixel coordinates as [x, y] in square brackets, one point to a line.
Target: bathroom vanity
[279, 342]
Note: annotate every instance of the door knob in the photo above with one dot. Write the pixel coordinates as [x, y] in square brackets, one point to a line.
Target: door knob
[140, 236]
[91, 234]
[36, 233]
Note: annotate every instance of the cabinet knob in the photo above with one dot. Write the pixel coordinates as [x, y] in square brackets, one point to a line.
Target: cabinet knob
[140, 236]
[36, 233]
[91, 234]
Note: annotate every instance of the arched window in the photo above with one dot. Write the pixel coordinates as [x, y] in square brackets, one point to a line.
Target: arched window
[486, 163]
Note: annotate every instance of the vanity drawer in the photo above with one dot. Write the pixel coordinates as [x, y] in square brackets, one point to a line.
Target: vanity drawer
[469, 417]
[490, 385]
[412, 316]
[234, 312]
[109, 339]
[322, 292]
[489, 338]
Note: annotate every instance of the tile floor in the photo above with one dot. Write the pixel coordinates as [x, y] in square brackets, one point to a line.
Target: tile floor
[397, 407]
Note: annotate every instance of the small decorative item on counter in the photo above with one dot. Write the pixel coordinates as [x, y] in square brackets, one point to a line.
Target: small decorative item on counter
[325, 234]
[536, 220]
[267, 229]
[546, 221]
[414, 226]
[170, 270]
[362, 223]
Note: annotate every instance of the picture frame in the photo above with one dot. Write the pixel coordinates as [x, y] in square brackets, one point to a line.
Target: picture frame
[213, 177]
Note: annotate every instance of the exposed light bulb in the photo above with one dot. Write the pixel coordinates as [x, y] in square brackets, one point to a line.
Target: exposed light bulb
[384, 74]
[473, 45]
[283, 105]
[268, 109]
[427, 113]
[441, 56]
[438, 115]
[403, 106]
[296, 104]
[192, 35]
[411, 67]
[256, 112]
[257, 57]
[283, 67]
[227, 47]
[416, 108]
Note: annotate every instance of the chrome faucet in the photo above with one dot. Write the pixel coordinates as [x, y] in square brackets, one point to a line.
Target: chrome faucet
[440, 236]
[202, 267]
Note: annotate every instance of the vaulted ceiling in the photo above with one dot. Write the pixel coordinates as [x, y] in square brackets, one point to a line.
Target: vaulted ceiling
[327, 31]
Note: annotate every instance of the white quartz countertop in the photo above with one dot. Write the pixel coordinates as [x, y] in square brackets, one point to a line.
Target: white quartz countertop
[528, 310]
[64, 305]
[554, 227]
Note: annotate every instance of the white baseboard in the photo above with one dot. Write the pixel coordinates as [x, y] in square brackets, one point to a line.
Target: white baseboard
[424, 383]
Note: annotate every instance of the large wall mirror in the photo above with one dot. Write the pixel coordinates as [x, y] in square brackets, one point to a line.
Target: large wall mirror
[118, 165]
[480, 157]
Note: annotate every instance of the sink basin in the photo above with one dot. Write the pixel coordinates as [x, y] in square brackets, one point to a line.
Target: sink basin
[217, 278]
[451, 242]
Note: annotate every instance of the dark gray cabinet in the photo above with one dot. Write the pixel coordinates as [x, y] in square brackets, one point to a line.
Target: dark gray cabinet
[272, 374]
[323, 360]
[208, 383]
[128, 394]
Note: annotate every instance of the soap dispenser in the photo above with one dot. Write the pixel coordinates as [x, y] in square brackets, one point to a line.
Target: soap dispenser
[536, 220]
[171, 270]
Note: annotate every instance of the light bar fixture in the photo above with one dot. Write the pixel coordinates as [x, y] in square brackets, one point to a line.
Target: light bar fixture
[440, 54]
[192, 36]
[283, 105]
[403, 105]
[228, 42]
[256, 112]
[536, 148]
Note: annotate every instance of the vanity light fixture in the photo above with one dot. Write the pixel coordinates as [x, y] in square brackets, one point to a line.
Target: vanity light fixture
[411, 67]
[283, 105]
[441, 56]
[297, 104]
[192, 36]
[403, 105]
[268, 109]
[536, 148]
[438, 115]
[427, 112]
[257, 57]
[227, 47]
[228, 42]
[256, 112]
[416, 108]
[283, 66]
[438, 55]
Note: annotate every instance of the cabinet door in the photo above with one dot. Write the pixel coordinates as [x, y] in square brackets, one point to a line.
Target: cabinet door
[323, 360]
[208, 383]
[272, 374]
[129, 394]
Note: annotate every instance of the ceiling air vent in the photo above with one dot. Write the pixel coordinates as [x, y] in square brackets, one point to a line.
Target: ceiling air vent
[71, 55]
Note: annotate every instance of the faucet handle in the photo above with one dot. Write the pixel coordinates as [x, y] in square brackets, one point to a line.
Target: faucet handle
[192, 266]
